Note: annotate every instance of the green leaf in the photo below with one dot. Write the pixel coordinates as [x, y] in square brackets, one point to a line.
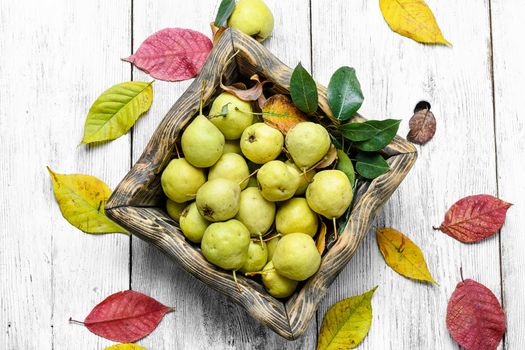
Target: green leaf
[81, 199]
[224, 12]
[370, 165]
[346, 323]
[345, 165]
[116, 110]
[344, 93]
[303, 90]
[358, 131]
[387, 131]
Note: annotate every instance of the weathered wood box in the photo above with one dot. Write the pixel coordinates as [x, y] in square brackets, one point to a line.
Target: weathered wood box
[138, 202]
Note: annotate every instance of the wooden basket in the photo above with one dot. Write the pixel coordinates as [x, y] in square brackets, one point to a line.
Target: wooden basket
[138, 202]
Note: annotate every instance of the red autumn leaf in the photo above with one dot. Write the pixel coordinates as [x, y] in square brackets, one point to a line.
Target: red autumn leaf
[126, 316]
[474, 218]
[172, 54]
[475, 318]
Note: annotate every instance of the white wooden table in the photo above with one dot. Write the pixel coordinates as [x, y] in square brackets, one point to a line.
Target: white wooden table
[55, 58]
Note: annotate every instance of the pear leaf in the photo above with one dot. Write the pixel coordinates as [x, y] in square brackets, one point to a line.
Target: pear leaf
[303, 90]
[224, 12]
[387, 131]
[344, 93]
[345, 165]
[370, 165]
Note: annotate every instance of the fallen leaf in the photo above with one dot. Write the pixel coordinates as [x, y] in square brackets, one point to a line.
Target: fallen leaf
[303, 90]
[216, 32]
[127, 346]
[474, 218]
[126, 316]
[358, 131]
[344, 93]
[346, 323]
[345, 165]
[251, 94]
[81, 199]
[116, 110]
[402, 255]
[321, 237]
[422, 124]
[370, 165]
[475, 318]
[172, 54]
[387, 131]
[328, 159]
[413, 19]
[224, 12]
[280, 113]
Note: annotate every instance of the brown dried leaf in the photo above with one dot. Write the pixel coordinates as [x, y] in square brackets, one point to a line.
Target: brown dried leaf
[422, 124]
[251, 94]
[216, 32]
[280, 113]
[321, 238]
[328, 159]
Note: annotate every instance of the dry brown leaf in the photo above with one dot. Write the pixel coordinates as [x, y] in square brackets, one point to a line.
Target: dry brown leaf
[280, 112]
[251, 94]
[422, 124]
[216, 32]
[321, 237]
[328, 159]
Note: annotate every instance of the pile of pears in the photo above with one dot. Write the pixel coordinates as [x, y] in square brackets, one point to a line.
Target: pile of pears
[250, 196]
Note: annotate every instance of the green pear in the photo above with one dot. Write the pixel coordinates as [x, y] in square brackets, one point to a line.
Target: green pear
[296, 256]
[180, 180]
[202, 143]
[232, 146]
[257, 257]
[231, 166]
[330, 193]
[238, 117]
[307, 143]
[303, 181]
[276, 284]
[261, 143]
[226, 244]
[218, 199]
[255, 212]
[174, 209]
[295, 215]
[277, 181]
[271, 245]
[192, 224]
[252, 17]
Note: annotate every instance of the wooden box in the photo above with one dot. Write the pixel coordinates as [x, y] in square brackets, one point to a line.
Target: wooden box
[138, 202]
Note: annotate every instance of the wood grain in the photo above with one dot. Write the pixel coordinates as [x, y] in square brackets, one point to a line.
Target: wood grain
[509, 74]
[395, 73]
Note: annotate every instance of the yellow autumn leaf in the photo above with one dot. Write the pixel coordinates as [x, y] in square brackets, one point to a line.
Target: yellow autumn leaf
[346, 323]
[81, 199]
[403, 255]
[116, 110]
[127, 346]
[413, 19]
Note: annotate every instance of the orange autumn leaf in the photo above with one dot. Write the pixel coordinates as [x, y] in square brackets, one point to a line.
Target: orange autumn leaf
[403, 255]
[280, 113]
[321, 238]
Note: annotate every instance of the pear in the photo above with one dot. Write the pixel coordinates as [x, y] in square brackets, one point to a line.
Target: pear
[276, 284]
[257, 257]
[307, 143]
[252, 17]
[271, 245]
[174, 209]
[238, 118]
[181, 180]
[218, 199]
[255, 212]
[232, 146]
[295, 215]
[277, 181]
[261, 143]
[296, 257]
[202, 143]
[330, 193]
[304, 180]
[192, 224]
[231, 166]
[226, 244]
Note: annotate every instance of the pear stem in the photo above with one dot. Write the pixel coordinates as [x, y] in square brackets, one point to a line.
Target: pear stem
[269, 238]
[255, 273]
[335, 229]
[235, 279]
[204, 82]
[177, 151]
[248, 177]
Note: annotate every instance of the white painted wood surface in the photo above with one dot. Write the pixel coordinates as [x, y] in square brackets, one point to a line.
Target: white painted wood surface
[57, 56]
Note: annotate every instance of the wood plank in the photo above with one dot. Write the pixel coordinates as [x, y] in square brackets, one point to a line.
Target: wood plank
[56, 58]
[509, 74]
[396, 73]
[203, 318]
